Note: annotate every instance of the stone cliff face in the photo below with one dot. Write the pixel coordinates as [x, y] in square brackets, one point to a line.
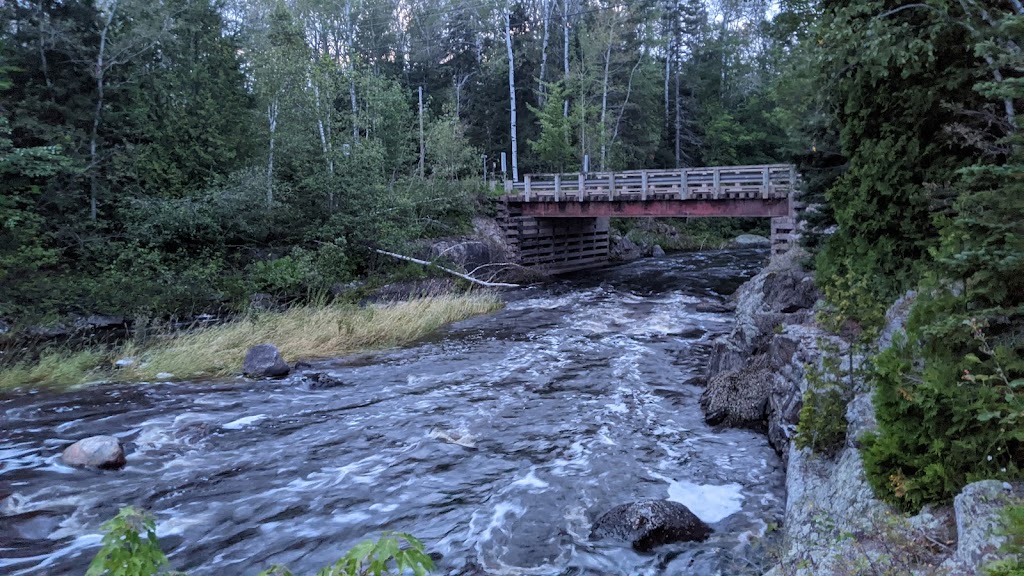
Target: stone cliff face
[833, 524]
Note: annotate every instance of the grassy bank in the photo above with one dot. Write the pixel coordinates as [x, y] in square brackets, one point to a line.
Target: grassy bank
[302, 332]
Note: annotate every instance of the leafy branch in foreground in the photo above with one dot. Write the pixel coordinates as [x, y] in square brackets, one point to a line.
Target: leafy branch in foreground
[393, 553]
[126, 552]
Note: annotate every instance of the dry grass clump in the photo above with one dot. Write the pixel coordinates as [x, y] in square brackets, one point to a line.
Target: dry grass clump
[306, 332]
[302, 332]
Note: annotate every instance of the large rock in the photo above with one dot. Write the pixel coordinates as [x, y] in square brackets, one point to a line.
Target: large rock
[467, 253]
[739, 397]
[622, 249]
[657, 251]
[650, 523]
[978, 521]
[105, 452]
[264, 361]
[750, 241]
[789, 290]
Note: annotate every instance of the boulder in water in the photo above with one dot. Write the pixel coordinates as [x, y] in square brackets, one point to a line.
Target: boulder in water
[657, 251]
[739, 397]
[648, 524]
[105, 452]
[264, 361]
[750, 241]
[316, 380]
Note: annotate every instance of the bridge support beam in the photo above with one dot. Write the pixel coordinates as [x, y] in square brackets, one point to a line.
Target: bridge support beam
[556, 245]
[784, 234]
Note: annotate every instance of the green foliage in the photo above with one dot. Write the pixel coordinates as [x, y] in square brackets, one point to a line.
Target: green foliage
[130, 547]
[949, 401]
[394, 553]
[946, 423]
[892, 77]
[852, 309]
[822, 425]
[554, 146]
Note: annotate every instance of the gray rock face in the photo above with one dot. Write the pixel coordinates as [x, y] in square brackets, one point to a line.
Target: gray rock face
[621, 248]
[465, 252]
[978, 509]
[103, 452]
[789, 291]
[650, 523]
[264, 361]
[657, 251]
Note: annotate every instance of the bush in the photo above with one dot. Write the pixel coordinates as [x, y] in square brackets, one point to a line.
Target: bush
[822, 426]
[125, 551]
[948, 415]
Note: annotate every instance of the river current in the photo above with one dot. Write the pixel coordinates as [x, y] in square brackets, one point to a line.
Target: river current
[496, 441]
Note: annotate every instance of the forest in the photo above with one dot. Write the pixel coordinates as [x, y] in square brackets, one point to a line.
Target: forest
[173, 157]
[177, 156]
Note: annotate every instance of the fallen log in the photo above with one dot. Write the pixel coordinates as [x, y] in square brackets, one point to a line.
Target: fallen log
[465, 277]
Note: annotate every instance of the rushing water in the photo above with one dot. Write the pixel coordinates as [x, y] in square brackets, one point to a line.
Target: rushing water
[496, 442]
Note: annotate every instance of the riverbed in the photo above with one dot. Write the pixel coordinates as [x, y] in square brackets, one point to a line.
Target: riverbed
[496, 441]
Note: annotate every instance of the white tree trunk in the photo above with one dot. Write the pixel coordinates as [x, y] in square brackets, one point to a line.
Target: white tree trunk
[604, 106]
[546, 11]
[272, 111]
[352, 71]
[512, 97]
[324, 128]
[668, 75]
[97, 117]
[565, 53]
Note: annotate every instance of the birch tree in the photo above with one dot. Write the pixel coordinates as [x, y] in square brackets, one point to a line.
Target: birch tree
[511, 94]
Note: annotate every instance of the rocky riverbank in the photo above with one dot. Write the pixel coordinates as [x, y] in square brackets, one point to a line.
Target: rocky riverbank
[758, 376]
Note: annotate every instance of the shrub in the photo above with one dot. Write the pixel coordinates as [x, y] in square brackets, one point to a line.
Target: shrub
[822, 425]
[125, 551]
[948, 415]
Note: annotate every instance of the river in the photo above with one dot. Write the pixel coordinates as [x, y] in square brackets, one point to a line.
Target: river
[496, 441]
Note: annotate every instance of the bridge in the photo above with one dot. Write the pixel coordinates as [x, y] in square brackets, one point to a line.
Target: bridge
[559, 222]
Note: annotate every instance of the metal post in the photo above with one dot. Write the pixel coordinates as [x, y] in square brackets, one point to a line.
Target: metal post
[611, 185]
[558, 187]
[526, 181]
[504, 166]
[683, 191]
[583, 184]
[717, 182]
[643, 185]
[586, 163]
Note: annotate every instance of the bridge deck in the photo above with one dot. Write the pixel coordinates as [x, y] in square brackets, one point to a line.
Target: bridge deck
[720, 183]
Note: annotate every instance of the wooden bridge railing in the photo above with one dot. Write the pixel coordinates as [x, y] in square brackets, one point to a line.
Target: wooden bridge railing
[712, 183]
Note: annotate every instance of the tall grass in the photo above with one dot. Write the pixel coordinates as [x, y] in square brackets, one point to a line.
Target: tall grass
[302, 332]
[54, 367]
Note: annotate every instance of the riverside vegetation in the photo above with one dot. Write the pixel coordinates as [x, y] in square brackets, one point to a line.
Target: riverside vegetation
[301, 332]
